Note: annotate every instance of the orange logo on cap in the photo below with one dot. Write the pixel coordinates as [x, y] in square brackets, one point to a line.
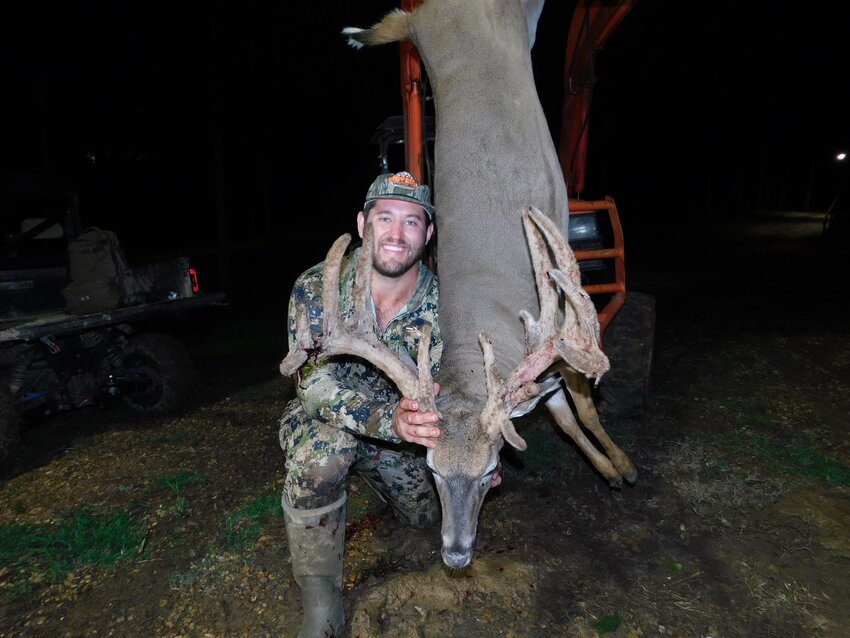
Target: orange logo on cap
[403, 179]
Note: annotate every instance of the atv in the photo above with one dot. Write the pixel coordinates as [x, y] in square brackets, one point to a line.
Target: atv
[55, 356]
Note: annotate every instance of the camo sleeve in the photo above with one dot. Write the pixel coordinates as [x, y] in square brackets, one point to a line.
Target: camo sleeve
[344, 395]
[334, 402]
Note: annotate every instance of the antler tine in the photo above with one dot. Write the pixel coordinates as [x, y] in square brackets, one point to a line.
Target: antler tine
[555, 242]
[579, 333]
[576, 340]
[330, 284]
[357, 337]
[579, 343]
[537, 331]
[297, 355]
[494, 418]
[304, 342]
[362, 294]
[567, 275]
[425, 396]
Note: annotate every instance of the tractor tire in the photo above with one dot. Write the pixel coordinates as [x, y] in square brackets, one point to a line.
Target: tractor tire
[10, 428]
[169, 374]
[628, 342]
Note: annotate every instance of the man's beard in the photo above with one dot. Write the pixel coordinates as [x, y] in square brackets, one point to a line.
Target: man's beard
[392, 268]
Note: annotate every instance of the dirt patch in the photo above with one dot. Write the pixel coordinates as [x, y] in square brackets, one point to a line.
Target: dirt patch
[737, 525]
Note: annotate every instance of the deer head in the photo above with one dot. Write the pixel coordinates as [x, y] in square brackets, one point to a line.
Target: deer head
[467, 453]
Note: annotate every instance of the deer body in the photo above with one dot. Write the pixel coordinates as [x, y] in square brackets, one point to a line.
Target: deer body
[501, 209]
[488, 166]
[494, 156]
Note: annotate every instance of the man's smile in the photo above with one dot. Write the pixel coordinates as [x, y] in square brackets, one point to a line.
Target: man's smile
[393, 248]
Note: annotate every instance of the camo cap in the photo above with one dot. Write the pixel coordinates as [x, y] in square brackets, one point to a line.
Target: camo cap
[403, 186]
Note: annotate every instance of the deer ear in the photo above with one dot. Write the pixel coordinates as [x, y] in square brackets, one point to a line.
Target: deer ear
[509, 432]
[545, 388]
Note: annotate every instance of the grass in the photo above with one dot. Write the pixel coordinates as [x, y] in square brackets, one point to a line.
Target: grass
[802, 461]
[174, 482]
[243, 526]
[761, 436]
[718, 490]
[34, 553]
[239, 531]
[725, 474]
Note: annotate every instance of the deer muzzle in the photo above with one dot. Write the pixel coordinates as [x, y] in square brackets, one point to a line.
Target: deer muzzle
[460, 498]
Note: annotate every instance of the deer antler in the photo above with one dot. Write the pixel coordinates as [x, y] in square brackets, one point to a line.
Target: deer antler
[576, 341]
[356, 336]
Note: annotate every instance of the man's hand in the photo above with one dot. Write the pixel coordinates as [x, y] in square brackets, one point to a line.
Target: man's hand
[413, 426]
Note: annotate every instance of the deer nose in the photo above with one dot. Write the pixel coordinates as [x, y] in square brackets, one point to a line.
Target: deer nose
[457, 557]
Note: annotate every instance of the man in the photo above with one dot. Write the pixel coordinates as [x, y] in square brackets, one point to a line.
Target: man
[348, 416]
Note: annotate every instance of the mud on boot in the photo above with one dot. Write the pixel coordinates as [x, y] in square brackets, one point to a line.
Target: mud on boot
[316, 546]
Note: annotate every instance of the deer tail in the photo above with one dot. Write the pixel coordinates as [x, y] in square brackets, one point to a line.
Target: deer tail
[393, 27]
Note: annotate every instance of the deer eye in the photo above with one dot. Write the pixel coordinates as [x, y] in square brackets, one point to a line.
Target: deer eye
[488, 475]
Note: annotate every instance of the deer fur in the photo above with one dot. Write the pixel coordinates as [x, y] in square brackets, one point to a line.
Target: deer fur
[501, 206]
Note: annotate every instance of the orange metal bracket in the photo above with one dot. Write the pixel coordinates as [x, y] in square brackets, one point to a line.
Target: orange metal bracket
[616, 288]
[592, 23]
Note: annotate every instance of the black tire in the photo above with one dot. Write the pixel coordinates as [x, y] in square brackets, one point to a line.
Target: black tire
[168, 374]
[10, 428]
[629, 342]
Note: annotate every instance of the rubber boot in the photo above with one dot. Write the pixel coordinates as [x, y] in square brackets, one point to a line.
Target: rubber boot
[316, 546]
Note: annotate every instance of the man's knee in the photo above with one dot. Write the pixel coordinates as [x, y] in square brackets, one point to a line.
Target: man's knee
[312, 485]
[318, 458]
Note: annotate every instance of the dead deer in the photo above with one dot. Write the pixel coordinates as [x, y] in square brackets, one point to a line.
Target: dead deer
[496, 171]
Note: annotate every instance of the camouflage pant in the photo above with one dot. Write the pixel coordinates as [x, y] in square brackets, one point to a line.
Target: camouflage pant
[319, 458]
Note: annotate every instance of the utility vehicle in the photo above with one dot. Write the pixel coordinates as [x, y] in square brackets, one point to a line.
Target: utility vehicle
[53, 359]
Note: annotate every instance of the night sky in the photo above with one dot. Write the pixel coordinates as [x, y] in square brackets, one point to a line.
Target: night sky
[699, 109]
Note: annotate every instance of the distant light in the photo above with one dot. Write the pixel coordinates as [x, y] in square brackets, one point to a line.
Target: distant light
[841, 157]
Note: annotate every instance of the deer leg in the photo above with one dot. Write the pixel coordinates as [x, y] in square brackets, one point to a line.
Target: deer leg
[579, 388]
[563, 413]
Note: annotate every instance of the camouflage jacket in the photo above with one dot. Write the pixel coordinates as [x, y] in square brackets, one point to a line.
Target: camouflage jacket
[348, 393]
